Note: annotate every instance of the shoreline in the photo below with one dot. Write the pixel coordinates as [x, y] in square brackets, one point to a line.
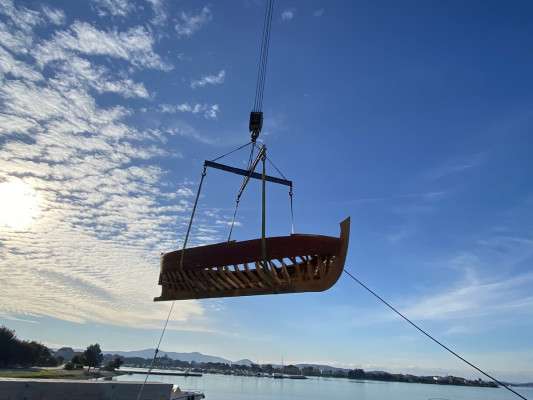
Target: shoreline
[58, 373]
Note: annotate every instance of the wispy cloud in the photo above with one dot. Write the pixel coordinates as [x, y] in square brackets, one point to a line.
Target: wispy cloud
[414, 196]
[476, 298]
[55, 16]
[160, 15]
[288, 14]
[209, 80]
[457, 166]
[134, 45]
[318, 13]
[208, 111]
[113, 7]
[190, 23]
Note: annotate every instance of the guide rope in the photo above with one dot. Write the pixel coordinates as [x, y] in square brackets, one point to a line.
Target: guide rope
[431, 337]
[156, 351]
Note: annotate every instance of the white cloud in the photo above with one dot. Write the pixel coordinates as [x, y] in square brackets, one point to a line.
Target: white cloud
[113, 7]
[77, 71]
[190, 23]
[160, 15]
[9, 65]
[318, 13]
[209, 80]
[134, 45]
[208, 111]
[56, 17]
[288, 14]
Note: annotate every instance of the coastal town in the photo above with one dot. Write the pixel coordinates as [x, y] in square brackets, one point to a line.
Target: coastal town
[94, 357]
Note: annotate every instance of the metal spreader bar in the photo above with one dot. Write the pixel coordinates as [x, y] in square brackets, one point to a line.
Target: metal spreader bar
[245, 172]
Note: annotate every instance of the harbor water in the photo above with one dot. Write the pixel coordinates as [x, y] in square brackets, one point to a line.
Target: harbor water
[229, 387]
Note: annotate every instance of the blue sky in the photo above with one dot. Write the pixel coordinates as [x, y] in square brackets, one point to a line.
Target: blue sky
[414, 118]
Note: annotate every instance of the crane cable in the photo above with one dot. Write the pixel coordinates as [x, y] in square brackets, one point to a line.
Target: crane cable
[431, 337]
[261, 73]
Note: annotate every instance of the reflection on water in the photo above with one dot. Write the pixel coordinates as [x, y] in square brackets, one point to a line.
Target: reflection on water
[228, 387]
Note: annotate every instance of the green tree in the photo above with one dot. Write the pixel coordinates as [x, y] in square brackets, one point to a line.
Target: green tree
[92, 356]
[114, 364]
[7, 342]
[356, 374]
[22, 352]
[77, 359]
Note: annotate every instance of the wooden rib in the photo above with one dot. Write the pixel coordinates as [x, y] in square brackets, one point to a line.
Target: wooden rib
[260, 271]
[203, 281]
[166, 279]
[223, 277]
[274, 272]
[229, 277]
[236, 277]
[188, 283]
[321, 267]
[212, 282]
[198, 280]
[297, 268]
[253, 276]
[220, 279]
[176, 280]
[309, 269]
[242, 276]
[284, 271]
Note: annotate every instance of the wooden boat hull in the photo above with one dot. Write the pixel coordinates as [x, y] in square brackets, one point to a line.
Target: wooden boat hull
[292, 264]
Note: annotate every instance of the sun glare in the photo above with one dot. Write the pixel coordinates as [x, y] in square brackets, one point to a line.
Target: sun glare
[19, 204]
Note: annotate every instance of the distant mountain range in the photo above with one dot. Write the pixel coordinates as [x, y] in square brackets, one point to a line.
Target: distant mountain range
[190, 357]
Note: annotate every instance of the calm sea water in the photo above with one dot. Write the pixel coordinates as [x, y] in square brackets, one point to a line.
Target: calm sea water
[227, 387]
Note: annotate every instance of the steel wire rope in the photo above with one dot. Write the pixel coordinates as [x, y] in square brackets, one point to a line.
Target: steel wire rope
[290, 192]
[232, 151]
[250, 161]
[261, 73]
[431, 337]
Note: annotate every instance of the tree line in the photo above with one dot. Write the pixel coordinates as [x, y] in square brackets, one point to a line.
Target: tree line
[24, 353]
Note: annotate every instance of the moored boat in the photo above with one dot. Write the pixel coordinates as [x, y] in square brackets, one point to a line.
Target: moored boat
[188, 394]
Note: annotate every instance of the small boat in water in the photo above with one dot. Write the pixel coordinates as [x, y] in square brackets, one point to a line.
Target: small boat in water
[189, 394]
